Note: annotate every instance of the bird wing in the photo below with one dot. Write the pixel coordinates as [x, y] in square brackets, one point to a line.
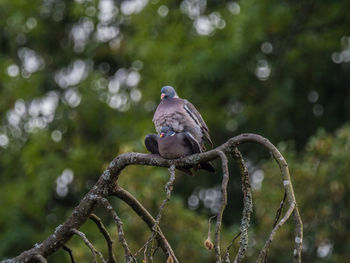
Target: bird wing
[151, 143]
[197, 117]
[167, 114]
[190, 140]
[196, 148]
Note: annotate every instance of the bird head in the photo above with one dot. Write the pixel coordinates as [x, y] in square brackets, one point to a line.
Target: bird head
[168, 92]
[166, 131]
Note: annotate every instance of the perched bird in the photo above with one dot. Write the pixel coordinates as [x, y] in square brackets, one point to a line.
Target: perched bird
[172, 145]
[181, 116]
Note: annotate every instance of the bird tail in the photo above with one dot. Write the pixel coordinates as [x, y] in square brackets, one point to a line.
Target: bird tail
[207, 166]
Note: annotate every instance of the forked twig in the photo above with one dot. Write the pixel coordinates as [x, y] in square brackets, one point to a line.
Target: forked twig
[226, 256]
[287, 183]
[127, 253]
[104, 232]
[277, 217]
[89, 245]
[129, 199]
[263, 252]
[279, 210]
[155, 227]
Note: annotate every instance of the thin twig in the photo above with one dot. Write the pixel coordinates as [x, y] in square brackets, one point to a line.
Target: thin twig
[64, 247]
[208, 243]
[247, 205]
[154, 248]
[279, 210]
[127, 253]
[209, 224]
[104, 232]
[263, 252]
[145, 254]
[168, 190]
[277, 217]
[225, 178]
[144, 215]
[226, 256]
[155, 228]
[89, 245]
[144, 247]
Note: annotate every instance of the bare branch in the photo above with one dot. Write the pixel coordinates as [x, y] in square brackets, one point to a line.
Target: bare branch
[247, 205]
[127, 253]
[144, 246]
[144, 215]
[287, 183]
[224, 183]
[155, 227]
[108, 182]
[209, 224]
[279, 210]
[106, 235]
[263, 252]
[144, 253]
[64, 247]
[277, 217]
[168, 190]
[226, 256]
[89, 245]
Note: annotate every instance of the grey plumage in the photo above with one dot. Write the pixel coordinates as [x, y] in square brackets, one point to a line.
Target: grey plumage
[181, 116]
[171, 145]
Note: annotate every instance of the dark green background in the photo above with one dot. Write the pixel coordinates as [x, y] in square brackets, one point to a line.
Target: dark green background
[79, 82]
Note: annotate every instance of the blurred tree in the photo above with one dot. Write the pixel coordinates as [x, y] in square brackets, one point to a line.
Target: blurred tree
[319, 177]
[79, 81]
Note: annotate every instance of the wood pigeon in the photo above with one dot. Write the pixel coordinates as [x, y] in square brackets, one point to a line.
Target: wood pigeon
[181, 116]
[171, 145]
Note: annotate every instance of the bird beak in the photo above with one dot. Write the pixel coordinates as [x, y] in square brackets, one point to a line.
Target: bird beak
[161, 135]
[162, 96]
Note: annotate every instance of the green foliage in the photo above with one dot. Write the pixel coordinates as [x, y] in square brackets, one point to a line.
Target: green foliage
[79, 81]
[319, 174]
